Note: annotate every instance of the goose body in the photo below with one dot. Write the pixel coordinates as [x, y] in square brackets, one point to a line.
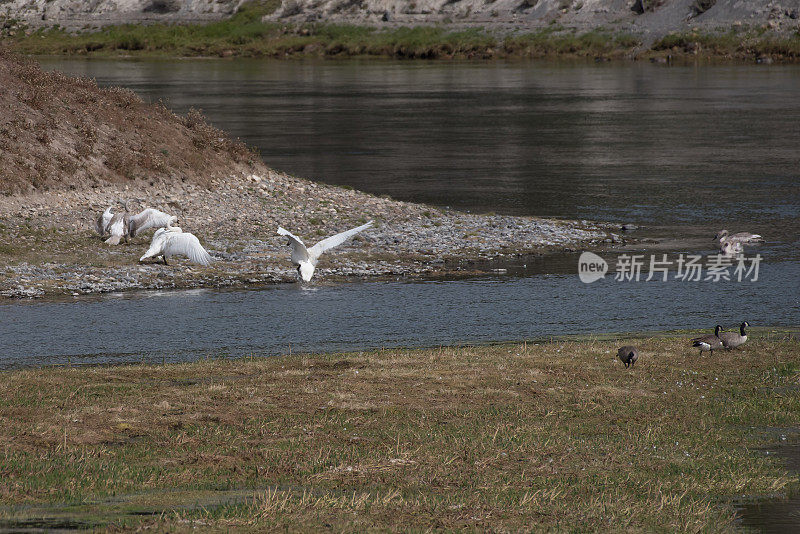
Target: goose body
[731, 340]
[709, 342]
[628, 354]
[306, 259]
[172, 241]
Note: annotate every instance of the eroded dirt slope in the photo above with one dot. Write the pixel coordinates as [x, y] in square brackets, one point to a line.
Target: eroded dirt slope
[61, 132]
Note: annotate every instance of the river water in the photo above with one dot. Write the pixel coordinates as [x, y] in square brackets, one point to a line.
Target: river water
[681, 151]
[173, 326]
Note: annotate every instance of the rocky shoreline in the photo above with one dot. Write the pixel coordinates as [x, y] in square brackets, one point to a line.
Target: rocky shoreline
[48, 246]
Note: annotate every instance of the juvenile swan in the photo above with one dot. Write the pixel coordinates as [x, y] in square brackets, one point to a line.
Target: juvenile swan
[172, 241]
[709, 342]
[306, 258]
[740, 237]
[730, 248]
[125, 225]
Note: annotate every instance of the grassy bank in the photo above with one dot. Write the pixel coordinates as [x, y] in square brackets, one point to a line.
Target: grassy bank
[757, 44]
[555, 435]
[257, 39]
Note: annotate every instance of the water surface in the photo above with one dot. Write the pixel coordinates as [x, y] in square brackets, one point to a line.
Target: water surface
[186, 325]
[694, 147]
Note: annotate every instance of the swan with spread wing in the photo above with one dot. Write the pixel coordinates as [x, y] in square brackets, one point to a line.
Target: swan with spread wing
[126, 224]
[172, 241]
[149, 218]
[306, 259]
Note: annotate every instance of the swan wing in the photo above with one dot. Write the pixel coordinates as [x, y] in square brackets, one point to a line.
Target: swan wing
[299, 250]
[188, 245]
[103, 220]
[149, 218]
[336, 240]
[156, 245]
[117, 227]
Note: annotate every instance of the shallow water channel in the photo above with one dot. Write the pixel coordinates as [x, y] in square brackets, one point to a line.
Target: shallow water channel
[186, 325]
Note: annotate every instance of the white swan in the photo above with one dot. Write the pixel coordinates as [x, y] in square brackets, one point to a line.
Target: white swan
[103, 220]
[149, 218]
[172, 241]
[125, 225]
[118, 228]
[306, 258]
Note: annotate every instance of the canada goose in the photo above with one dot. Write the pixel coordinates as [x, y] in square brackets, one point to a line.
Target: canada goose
[628, 355]
[709, 342]
[306, 258]
[172, 241]
[731, 340]
[741, 237]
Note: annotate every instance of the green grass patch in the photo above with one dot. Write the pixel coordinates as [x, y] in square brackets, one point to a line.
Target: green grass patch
[245, 34]
[557, 43]
[743, 43]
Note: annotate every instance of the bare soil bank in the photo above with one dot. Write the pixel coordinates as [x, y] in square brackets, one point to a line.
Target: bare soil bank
[62, 132]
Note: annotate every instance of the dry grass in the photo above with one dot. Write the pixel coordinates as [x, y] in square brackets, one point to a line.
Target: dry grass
[60, 132]
[550, 436]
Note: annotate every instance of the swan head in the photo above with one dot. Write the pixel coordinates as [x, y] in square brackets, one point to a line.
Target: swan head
[722, 234]
[306, 271]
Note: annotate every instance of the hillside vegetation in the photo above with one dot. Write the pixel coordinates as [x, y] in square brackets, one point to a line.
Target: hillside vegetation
[58, 131]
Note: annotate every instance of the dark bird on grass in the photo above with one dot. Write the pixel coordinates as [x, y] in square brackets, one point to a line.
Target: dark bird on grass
[709, 342]
[628, 355]
[115, 225]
